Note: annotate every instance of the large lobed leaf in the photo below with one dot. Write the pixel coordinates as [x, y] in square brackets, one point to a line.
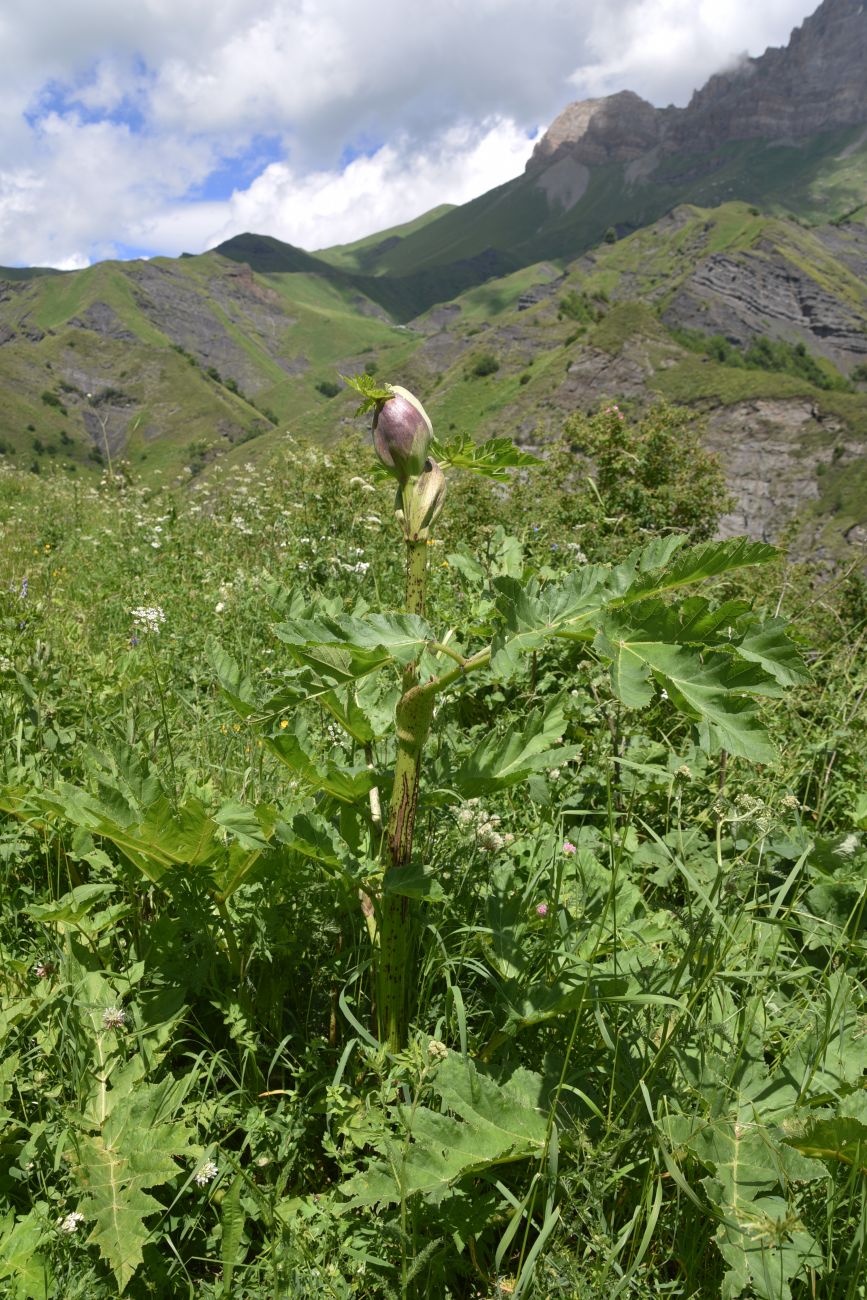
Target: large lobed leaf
[709, 661]
[136, 1150]
[346, 647]
[492, 1124]
[501, 761]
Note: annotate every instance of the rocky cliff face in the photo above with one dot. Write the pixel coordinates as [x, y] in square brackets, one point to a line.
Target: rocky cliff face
[816, 83]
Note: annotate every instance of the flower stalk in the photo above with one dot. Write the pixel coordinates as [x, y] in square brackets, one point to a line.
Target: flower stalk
[419, 500]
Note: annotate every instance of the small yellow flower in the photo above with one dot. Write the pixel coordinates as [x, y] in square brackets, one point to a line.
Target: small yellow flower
[284, 722]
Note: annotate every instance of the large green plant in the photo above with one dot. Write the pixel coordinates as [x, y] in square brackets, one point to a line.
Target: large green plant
[382, 677]
[709, 661]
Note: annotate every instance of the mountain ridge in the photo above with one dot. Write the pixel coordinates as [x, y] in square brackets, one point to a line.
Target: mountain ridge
[813, 84]
[732, 281]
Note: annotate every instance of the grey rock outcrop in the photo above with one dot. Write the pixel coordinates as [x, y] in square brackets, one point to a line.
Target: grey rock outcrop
[815, 83]
[762, 293]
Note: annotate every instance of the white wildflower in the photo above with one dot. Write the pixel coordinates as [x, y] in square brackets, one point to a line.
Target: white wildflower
[490, 839]
[71, 1222]
[148, 617]
[206, 1173]
[114, 1018]
[436, 1050]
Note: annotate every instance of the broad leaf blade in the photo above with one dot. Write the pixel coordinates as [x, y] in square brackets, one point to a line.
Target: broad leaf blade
[501, 761]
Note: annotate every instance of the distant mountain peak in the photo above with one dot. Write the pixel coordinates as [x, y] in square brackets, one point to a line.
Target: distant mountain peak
[814, 83]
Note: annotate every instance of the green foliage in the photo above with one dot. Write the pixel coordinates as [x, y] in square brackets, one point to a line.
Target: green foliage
[368, 389]
[492, 1124]
[134, 1150]
[486, 364]
[51, 399]
[327, 388]
[578, 307]
[492, 459]
[653, 474]
[636, 1058]
[763, 353]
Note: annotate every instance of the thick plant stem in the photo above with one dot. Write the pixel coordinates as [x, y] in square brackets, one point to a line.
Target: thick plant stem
[413, 720]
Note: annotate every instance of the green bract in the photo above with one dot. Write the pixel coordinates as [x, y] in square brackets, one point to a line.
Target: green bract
[420, 501]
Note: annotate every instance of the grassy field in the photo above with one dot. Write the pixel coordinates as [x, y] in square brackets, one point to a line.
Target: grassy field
[637, 1058]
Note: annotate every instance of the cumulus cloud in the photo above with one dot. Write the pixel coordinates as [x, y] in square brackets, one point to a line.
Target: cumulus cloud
[666, 49]
[322, 208]
[113, 117]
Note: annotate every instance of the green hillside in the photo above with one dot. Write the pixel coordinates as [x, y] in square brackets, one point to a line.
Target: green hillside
[362, 254]
[174, 364]
[811, 179]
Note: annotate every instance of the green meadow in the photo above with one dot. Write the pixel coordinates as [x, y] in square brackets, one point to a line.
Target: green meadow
[634, 1058]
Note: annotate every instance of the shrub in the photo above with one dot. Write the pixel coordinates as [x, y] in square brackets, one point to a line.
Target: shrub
[51, 399]
[328, 388]
[486, 364]
[763, 353]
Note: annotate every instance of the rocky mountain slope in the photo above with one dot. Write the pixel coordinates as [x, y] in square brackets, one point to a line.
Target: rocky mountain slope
[786, 132]
[813, 85]
[509, 312]
[757, 323]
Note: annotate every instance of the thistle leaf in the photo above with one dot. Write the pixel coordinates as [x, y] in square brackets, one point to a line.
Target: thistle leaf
[496, 1124]
[136, 1150]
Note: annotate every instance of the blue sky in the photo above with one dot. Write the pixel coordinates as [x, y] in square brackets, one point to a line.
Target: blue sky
[162, 126]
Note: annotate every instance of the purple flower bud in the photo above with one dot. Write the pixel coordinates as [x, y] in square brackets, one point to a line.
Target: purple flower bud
[541, 909]
[402, 434]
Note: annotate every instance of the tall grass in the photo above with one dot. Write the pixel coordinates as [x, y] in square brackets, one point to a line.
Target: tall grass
[639, 1005]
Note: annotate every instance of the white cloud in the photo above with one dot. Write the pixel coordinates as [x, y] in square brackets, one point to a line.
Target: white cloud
[112, 115]
[665, 49]
[394, 185]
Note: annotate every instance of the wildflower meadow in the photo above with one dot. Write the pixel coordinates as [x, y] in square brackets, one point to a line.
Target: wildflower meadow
[429, 869]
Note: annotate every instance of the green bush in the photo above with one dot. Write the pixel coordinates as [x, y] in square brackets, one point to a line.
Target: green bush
[486, 364]
[51, 399]
[328, 388]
